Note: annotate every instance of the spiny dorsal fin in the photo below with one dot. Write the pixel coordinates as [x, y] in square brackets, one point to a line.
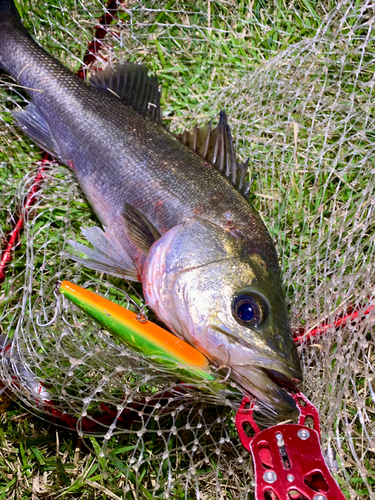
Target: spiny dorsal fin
[131, 83]
[216, 146]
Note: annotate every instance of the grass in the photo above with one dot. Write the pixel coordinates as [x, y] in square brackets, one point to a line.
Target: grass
[198, 50]
[38, 459]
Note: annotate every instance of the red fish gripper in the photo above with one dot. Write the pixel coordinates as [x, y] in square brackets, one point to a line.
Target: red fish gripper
[287, 458]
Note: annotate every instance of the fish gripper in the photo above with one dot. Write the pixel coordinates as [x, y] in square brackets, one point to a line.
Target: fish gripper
[287, 458]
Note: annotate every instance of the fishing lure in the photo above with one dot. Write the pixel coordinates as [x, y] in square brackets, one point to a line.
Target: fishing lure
[139, 333]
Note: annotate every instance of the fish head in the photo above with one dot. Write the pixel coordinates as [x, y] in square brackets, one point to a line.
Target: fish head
[228, 303]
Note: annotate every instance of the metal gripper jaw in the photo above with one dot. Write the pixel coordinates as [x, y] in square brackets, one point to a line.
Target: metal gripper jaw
[288, 459]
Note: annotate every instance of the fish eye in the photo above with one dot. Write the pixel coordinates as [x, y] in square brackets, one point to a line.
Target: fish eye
[248, 309]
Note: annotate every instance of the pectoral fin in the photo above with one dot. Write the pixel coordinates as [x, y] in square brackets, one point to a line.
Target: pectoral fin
[139, 229]
[122, 253]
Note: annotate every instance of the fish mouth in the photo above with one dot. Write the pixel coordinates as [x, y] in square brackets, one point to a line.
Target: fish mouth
[269, 385]
[268, 377]
[293, 378]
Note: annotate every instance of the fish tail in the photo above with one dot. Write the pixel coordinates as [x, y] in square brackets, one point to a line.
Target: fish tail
[12, 32]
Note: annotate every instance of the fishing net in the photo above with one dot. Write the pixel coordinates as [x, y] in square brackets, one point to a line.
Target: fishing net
[297, 82]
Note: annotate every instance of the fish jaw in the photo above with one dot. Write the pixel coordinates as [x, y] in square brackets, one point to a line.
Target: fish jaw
[189, 282]
[256, 371]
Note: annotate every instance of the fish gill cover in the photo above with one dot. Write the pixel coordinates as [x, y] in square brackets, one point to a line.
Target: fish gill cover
[297, 83]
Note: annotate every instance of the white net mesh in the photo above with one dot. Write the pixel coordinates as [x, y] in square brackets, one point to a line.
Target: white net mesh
[297, 82]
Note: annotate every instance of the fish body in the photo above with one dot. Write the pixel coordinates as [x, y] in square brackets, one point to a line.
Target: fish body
[207, 263]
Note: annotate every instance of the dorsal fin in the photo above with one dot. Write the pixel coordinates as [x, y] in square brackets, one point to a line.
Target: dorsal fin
[216, 146]
[131, 83]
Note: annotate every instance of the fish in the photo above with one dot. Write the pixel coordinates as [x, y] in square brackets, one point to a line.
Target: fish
[173, 208]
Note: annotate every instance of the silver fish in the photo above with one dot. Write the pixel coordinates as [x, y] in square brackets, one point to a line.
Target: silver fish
[172, 207]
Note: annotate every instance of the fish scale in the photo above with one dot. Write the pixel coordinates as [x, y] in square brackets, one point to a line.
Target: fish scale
[114, 148]
[172, 217]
